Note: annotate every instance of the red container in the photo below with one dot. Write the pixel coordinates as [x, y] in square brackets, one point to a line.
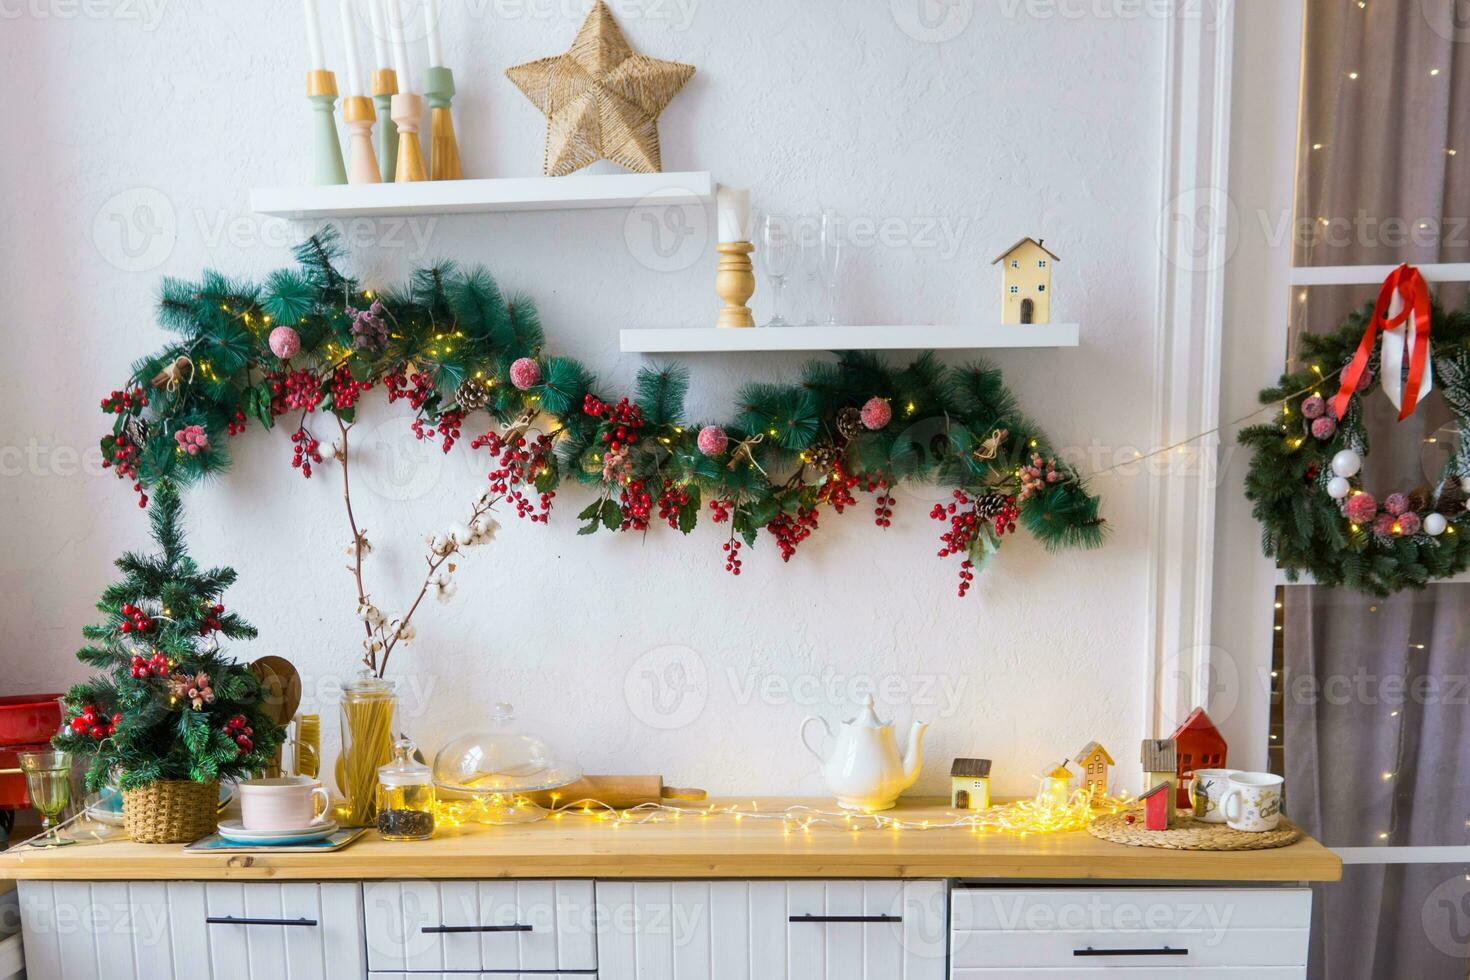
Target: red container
[13, 784]
[26, 719]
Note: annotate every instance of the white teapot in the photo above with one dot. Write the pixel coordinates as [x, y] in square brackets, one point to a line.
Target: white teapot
[865, 770]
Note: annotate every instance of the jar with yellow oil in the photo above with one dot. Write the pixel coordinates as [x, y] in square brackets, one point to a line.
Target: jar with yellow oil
[405, 798]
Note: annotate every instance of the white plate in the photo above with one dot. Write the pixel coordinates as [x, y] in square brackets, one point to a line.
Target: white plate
[234, 830]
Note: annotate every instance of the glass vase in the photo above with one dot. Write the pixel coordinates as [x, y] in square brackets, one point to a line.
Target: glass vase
[368, 708]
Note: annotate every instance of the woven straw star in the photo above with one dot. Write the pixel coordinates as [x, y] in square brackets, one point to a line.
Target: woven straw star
[601, 99]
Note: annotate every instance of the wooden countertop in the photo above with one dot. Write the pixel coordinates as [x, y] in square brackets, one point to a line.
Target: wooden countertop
[573, 846]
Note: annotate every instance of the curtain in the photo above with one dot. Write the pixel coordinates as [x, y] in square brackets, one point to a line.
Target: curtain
[1375, 715]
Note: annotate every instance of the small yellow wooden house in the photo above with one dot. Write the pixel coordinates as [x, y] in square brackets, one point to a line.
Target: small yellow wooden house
[1026, 284]
[969, 781]
[1094, 762]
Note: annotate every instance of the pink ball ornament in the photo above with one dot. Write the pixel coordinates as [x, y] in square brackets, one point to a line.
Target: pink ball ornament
[1384, 525]
[285, 342]
[1324, 428]
[1361, 508]
[1396, 504]
[1409, 523]
[1314, 407]
[1364, 381]
[713, 441]
[876, 414]
[525, 373]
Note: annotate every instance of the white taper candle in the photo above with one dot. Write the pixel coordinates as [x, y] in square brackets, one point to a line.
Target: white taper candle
[436, 43]
[732, 207]
[400, 45]
[349, 45]
[314, 38]
[380, 34]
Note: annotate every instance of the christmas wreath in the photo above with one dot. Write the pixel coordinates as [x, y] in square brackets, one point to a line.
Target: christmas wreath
[1304, 478]
[313, 339]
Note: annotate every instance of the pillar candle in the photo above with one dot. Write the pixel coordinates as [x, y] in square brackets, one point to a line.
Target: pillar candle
[349, 45]
[314, 37]
[380, 34]
[733, 207]
[436, 44]
[400, 45]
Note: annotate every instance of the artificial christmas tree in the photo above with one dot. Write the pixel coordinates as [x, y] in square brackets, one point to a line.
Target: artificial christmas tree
[171, 715]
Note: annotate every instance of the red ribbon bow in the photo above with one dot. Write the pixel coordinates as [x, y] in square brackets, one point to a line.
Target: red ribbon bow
[1406, 283]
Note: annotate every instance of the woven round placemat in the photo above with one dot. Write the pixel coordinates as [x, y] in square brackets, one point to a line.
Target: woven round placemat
[1189, 834]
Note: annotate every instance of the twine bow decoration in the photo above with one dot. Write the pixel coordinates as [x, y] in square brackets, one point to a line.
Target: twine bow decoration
[171, 376]
[743, 448]
[990, 448]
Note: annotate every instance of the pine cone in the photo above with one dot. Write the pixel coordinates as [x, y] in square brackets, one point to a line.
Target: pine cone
[849, 422]
[823, 456]
[990, 505]
[1451, 498]
[136, 430]
[471, 395]
[1421, 499]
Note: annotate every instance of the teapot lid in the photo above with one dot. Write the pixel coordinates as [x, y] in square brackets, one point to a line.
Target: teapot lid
[868, 717]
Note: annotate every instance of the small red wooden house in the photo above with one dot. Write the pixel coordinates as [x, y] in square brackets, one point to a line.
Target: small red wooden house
[1157, 807]
[1198, 745]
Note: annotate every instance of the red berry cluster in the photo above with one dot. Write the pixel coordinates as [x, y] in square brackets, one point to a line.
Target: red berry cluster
[121, 402]
[672, 500]
[238, 729]
[154, 666]
[637, 504]
[300, 391]
[1004, 520]
[211, 620]
[963, 524]
[135, 620]
[732, 556]
[791, 531]
[836, 490]
[94, 723]
[448, 426]
[236, 424]
[346, 389]
[122, 456]
[305, 450]
[517, 464]
[967, 577]
[623, 420]
[416, 387]
[883, 506]
[719, 510]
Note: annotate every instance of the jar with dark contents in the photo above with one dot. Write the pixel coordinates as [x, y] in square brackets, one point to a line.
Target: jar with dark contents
[405, 796]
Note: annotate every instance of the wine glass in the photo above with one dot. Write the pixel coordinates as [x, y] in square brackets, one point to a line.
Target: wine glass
[48, 784]
[832, 252]
[811, 264]
[776, 261]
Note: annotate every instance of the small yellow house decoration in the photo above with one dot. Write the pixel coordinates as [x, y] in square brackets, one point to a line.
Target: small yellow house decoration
[969, 784]
[1158, 757]
[1094, 762]
[1026, 284]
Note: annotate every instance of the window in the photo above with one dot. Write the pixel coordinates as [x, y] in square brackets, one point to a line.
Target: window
[1041, 263]
[1015, 290]
[1041, 287]
[1015, 263]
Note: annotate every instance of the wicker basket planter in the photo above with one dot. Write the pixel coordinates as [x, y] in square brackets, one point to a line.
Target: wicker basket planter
[171, 811]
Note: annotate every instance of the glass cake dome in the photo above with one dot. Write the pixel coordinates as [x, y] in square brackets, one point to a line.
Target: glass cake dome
[502, 762]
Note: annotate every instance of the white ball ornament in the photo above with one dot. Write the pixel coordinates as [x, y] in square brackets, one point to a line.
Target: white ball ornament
[1347, 463]
[1435, 524]
[1338, 487]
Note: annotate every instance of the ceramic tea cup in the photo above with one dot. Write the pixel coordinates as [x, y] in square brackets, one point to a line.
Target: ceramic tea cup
[1253, 802]
[284, 803]
[1207, 791]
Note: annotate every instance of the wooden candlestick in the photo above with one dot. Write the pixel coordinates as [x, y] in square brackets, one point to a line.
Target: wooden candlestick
[362, 165]
[408, 112]
[443, 148]
[385, 86]
[735, 282]
[326, 156]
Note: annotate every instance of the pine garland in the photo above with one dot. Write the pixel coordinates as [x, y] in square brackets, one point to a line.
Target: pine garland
[1302, 526]
[450, 336]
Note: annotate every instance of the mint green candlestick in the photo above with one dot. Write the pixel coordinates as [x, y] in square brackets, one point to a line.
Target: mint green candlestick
[385, 86]
[326, 154]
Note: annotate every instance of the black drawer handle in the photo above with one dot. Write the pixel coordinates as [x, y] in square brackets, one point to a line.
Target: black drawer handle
[230, 920]
[518, 927]
[1160, 951]
[846, 918]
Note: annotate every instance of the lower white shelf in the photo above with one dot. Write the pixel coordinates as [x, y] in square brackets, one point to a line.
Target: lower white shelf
[676, 340]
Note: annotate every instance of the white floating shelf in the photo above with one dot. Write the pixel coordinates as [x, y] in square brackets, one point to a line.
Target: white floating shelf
[475, 196]
[675, 340]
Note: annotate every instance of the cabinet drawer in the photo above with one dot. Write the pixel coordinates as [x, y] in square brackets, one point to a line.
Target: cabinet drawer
[1143, 930]
[1146, 973]
[488, 926]
[770, 930]
[492, 976]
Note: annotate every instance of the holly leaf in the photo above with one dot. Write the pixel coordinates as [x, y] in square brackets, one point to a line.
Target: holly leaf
[689, 513]
[612, 515]
[591, 512]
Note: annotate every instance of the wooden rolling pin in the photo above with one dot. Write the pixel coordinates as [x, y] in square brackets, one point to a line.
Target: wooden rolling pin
[619, 792]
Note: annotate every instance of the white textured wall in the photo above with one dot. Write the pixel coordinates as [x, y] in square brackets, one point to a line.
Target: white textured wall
[1004, 120]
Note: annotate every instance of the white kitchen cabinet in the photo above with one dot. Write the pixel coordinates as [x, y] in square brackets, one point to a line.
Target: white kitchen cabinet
[480, 926]
[1034, 933]
[769, 930]
[185, 930]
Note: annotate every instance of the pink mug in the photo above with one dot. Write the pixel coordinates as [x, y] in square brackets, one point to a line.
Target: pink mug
[285, 803]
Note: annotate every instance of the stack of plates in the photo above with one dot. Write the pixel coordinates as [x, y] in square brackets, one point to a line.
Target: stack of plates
[107, 806]
[234, 830]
